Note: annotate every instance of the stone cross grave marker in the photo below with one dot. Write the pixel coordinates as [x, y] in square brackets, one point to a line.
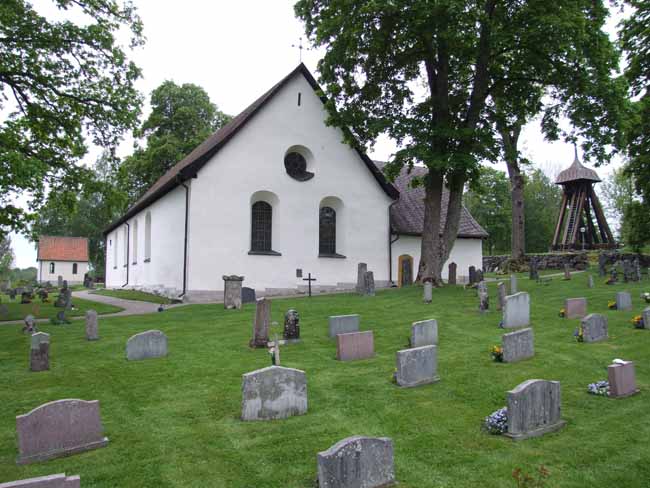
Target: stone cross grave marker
[417, 366]
[146, 345]
[39, 354]
[261, 323]
[622, 379]
[92, 327]
[59, 428]
[623, 301]
[518, 345]
[274, 393]
[362, 268]
[355, 345]
[51, 481]
[309, 280]
[594, 328]
[342, 324]
[513, 284]
[575, 308]
[501, 295]
[232, 291]
[534, 409]
[291, 326]
[357, 462]
[424, 333]
[451, 276]
[516, 310]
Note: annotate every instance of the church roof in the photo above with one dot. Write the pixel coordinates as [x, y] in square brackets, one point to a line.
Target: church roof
[576, 172]
[56, 248]
[407, 214]
[189, 166]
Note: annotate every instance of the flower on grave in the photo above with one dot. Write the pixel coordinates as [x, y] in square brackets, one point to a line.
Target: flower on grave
[501, 325]
[497, 354]
[562, 312]
[637, 321]
[599, 388]
[646, 297]
[611, 305]
[578, 334]
[497, 422]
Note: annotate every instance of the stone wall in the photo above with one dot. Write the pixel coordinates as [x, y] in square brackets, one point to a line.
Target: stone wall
[576, 260]
[612, 257]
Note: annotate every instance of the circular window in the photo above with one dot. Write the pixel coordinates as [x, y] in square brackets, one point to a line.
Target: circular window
[296, 166]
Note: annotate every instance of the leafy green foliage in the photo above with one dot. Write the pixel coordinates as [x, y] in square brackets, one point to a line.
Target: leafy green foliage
[617, 191]
[543, 199]
[63, 83]
[637, 226]
[6, 257]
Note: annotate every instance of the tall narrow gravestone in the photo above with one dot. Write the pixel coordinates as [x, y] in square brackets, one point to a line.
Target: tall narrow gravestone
[518, 345]
[274, 393]
[623, 301]
[516, 310]
[51, 481]
[92, 329]
[513, 284]
[232, 291]
[602, 264]
[646, 318]
[424, 333]
[417, 366]
[594, 328]
[567, 272]
[291, 326]
[59, 281]
[40, 352]
[261, 323]
[342, 324]
[355, 345]
[357, 462]
[362, 269]
[575, 308]
[428, 292]
[590, 281]
[451, 276]
[58, 429]
[369, 282]
[501, 295]
[472, 275]
[146, 345]
[534, 409]
[622, 380]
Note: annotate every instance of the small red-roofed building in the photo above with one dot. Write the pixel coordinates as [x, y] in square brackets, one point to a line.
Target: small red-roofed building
[62, 256]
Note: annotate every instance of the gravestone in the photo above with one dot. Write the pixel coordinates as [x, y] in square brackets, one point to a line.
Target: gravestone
[516, 310]
[472, 275]
[59, 428]
[43, 295]
[501, 295]
[342, 324]
[567, 271]
[12, 294]
[637, 270]
[484, 301]
[369, 284]
[602, 264]
[590, 281]
[428, 292]
[518, 345]
[51, 481]
[613, 275]
[594, 328]
[534, 409]
[39, 354]
[26, 297]
[575, 308]
[623, 301]
[533, 272]
[273, 393]
[64, 300]
[4, 311]
[291, 326]
[357, 462]
[417, 366]
[61, 318]
[451, 275]
[261, 323]
[622, 379]
[146, 345]
[646, 318]
[479, 275]
[232, 292]
[59, 281]
[30, 325]
[248, 295]
[92, 328]
[355, 345]
[424, 333]
[362, 269]
[513, 284]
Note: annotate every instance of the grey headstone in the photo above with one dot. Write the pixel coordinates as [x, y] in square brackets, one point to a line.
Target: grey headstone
[146, 345]
[342, 324]
[232, 291]
[428, 292]
[516, 310]
[424, 333]
[362, 268]
[291, 325]
[51, 481]
[261, 323]
[451, 276]
[594, 328]
[646, 318]
[417, 366]
[534, 409]
[590, 281]
[501, 294]
[92, 328]
[357, 462]
[602, 264]
[369, 281]
[513, 284]
[59, 428]
[59, 281]
[272, 393]
[248, 295]
[518, 345]
[623, 301]
[533, 273]
[567, 272]
[39, 354]
[30, 325]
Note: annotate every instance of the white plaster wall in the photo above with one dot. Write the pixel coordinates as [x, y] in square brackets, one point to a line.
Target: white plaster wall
[253, 161]
[62, 268]
[165, 268]
[465, 253]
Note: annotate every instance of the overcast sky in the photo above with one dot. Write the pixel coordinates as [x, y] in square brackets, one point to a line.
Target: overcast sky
[236, 50]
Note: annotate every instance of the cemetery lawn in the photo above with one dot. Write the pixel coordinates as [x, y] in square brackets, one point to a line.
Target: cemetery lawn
[174, 422]
[139, 296]
[18, 311]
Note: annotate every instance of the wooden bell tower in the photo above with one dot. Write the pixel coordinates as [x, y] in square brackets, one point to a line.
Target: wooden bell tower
[580, 211]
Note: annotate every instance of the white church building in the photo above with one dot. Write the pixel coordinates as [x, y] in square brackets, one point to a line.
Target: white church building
[273, 196]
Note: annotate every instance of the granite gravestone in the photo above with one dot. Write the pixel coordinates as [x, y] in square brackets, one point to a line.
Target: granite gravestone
[355, 345]
[417, 366]
[273, 393]
[637, 270]
[483, 296]
[362, 269]
[261, 323]
[342, 324]
[59, 428]
[594, 328]
[501, 295]
[602, 264]
[567, 272]
[232, 291]
[248, 295]
[518, 345]
[39, 354]
[357, 462]
[622, 379]
[369, 284]
[575, 308]
[590, 281]
[513, 284]
[424, 333]
[646, 318]
[533, 272]
[623, 301]
[534, 409]
[51, 481]
[146, 345]
[30, 325]
[428, 292]
[59, 281]
[451, 276]
[516, 310]
[92, 328]
[291, 326]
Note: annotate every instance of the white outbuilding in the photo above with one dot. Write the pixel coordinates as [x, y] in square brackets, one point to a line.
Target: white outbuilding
[62, 256]
[274, 195]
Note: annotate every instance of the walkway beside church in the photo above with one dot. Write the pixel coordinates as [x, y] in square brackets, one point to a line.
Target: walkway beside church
[131, 307]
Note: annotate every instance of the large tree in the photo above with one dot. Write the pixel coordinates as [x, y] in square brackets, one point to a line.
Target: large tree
[542, 198]
[62, 84]
[182, 116]
[6, 257]
[424, 73]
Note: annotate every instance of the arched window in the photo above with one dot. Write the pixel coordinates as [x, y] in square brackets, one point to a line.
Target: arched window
[117, 237]
[74, 268]
[327, 231]
[51, 268]
[147, 237]
[135, 242]
[261, 225]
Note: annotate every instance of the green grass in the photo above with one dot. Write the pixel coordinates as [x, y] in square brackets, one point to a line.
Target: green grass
[174, 422]
[140, 296]
[18, 311]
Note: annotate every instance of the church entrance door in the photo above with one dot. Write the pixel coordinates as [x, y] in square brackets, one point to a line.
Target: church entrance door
[405, 273]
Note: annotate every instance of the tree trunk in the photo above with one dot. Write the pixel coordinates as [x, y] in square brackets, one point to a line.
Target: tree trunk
[510, 138]
[430, 266]
[452, 224]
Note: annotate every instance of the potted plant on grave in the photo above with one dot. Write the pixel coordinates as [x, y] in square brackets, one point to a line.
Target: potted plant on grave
[637, 322]
[562, 312]
[578, 334]
[497, 422]
[599, 388]
[611, 305]
[497, 354]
